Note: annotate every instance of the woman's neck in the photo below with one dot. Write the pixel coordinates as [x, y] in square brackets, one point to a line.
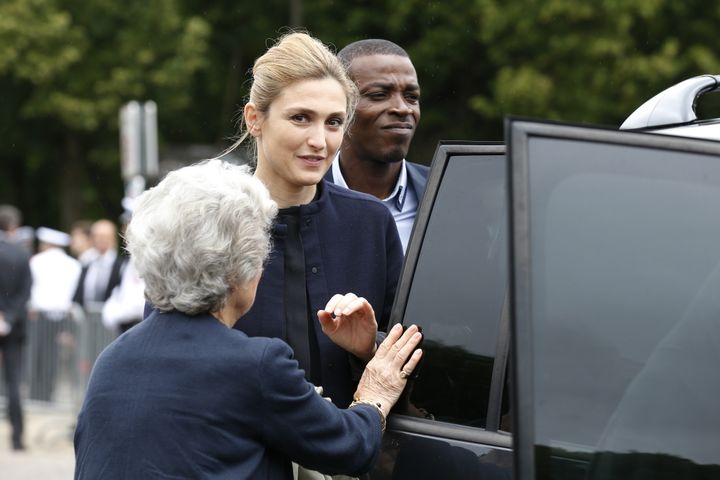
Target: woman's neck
[284, 194]
[227, 316]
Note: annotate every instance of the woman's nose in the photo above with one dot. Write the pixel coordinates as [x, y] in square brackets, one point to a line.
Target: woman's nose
[316, 137]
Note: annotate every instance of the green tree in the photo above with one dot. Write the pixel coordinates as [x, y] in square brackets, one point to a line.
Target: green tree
[69, 66]
[589, 61]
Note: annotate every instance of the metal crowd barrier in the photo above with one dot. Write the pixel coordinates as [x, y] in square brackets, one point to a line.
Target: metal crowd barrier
[59, 355]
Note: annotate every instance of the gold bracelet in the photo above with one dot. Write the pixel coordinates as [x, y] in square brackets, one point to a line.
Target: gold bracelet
[377, 405]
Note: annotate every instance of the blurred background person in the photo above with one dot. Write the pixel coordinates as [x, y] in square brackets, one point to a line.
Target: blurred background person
[102, 274]
[55, 278]
[183, 394]
[124, 308]
[15, 285]
[81, 245]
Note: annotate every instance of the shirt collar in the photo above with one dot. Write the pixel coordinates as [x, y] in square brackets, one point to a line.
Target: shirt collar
[396, 197]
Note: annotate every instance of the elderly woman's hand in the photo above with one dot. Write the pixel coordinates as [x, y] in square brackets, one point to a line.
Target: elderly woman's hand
[386, 374]
[350, 323]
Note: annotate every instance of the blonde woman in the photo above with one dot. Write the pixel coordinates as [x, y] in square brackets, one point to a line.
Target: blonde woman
[326, 239]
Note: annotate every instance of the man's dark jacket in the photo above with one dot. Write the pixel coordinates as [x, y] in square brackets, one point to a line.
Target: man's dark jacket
[15, 285]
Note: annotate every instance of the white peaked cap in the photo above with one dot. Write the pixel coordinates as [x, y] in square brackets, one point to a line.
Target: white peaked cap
[55, 237]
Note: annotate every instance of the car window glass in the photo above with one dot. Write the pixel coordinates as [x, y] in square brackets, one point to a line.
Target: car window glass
[458, 290]
[625, 279]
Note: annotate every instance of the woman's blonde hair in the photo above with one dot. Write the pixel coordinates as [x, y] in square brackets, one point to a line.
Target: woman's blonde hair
[295, 57]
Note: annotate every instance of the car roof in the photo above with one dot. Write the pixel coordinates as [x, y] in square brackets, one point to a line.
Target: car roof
[672, 111]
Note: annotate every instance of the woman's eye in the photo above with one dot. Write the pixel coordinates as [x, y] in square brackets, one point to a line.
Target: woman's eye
[298, 117]
[335, 122]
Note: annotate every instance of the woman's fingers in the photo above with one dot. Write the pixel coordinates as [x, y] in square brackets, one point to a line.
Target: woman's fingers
[409, 367]
[332, 303]
[340, 304]
[343, 306]
[396, 340]
[406, 350]
[392, 337]
[357, 305]
[325, 319]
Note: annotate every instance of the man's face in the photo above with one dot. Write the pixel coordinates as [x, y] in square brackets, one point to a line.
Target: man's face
[389, 108]
[104, 236]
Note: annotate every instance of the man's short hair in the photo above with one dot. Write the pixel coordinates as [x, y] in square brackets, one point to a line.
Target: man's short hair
[10, 218]
[370, 46]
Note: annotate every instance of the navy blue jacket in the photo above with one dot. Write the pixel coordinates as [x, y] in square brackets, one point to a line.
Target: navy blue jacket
[351, 244]
[186, 397]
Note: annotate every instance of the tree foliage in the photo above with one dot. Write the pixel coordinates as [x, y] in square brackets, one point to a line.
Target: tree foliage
[70, 65]
[67, 66]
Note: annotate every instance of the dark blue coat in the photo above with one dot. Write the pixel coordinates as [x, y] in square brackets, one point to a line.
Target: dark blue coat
[351, 244]
[187, 397]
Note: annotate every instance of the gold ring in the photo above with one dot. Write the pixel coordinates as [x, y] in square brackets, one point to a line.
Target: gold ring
[404, 375]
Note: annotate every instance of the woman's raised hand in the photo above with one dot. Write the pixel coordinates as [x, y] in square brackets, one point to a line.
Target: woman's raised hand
[350, 323]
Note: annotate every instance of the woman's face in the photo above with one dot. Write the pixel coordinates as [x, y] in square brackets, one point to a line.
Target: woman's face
[299, 135]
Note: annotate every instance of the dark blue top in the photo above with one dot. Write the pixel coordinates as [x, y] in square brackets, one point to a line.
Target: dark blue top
[187, 397]
[351, 244]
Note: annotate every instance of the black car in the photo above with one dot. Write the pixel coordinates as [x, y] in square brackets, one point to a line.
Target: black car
[568, 285]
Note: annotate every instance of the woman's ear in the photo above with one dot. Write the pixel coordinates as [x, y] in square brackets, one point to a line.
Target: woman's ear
[252, 118]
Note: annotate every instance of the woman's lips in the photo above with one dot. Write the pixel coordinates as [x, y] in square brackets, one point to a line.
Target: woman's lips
[312, 159]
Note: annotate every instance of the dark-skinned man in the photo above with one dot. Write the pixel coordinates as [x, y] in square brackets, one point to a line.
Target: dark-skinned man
[372, 155]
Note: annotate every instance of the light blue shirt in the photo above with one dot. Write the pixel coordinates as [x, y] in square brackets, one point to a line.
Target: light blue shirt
[402, 201]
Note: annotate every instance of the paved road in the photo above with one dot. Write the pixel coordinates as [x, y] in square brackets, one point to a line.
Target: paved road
[48, 438]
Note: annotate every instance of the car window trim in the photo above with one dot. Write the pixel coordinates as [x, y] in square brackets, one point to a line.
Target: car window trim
[497, 383]
[449, 431]
[444, 151]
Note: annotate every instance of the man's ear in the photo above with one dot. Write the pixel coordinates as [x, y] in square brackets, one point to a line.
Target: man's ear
[252, 119]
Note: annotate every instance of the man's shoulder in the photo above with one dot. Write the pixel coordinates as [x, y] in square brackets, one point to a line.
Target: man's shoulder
[417, 169]
[346, 198]
[417, 177]
[14, 253]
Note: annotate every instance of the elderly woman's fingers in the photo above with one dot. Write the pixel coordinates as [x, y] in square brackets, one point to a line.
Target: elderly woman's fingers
[393, 335]
[407, 351]
[407, 335]
[394, 342]
[412, 362]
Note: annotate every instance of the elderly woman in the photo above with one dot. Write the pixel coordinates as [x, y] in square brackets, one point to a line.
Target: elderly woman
[183, 395]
